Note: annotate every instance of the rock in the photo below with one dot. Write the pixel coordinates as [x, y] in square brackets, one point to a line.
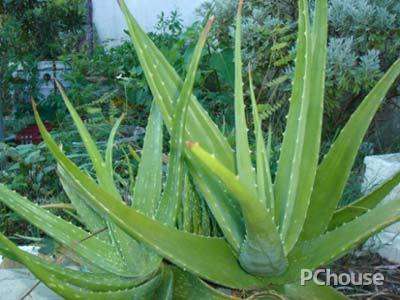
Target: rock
[380, 168]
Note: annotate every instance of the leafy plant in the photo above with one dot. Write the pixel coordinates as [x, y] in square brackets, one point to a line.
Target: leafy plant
[270, 231]
[32, 31]
[62, 21]
[363, 44]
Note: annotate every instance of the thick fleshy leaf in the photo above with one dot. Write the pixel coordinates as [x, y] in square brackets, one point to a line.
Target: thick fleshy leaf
[193, 251]
[188, 286]
[223, 207]
[144, 291]
[335, 168]
[136, 258]
[166, 289]
[312, 291]
[244, 165]
[125, 244]
[306, 138]
[172, 197]
[61, 280]
[98, 163]
[147, 189]
[262, 251]
[188, 206]
[140, 257]
[264, 179]
[364, 204]
[97, 282]
[282, 181]
[93, 250]
[334, 244]
[90, 218]
[165, 85]
[110, 146]
[164, 81]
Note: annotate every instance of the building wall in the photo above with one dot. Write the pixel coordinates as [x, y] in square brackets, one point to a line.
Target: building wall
[110, 23]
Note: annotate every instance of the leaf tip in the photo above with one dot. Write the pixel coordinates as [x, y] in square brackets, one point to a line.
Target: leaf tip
[34, 105]
[191, 145]
[240, 7]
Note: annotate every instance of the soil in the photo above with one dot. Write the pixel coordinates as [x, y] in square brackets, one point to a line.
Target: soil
[365, 262]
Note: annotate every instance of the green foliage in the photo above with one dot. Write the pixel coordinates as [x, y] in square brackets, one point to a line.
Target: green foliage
[113, 79]
[363, 43]
[28, 170]
[62, 21]
[31, 31]
[270, 230]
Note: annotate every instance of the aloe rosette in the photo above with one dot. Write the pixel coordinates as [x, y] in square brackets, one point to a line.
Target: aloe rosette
[157, 247]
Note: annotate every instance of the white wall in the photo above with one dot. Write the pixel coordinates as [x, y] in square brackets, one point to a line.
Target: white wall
[110, 22]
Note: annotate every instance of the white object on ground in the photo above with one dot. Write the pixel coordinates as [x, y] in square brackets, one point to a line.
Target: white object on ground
[380, 168]
[30, 249]
[47, 70]
[16, 283]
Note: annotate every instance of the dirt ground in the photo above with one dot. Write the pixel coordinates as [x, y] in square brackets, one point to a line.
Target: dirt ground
[371, 263]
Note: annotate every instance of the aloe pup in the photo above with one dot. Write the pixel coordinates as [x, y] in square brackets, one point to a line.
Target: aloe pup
[271, 230]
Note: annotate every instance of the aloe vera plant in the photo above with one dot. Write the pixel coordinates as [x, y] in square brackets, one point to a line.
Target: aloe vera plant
[270, 230]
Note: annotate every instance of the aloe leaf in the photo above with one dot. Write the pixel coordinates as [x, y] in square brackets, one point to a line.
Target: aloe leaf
[124, 243]
[269, 144]
[364, 204]
[223, 207]
[139, 259]
[282, 181]
[147, 189]
[307, 137]
[188, 203]
[93, 221]
[98, 282]
[213, 192]
[166, 289]
[93, 250]
[131, 176]
[264, 180]
[334, 244]
[192, 254]
[333, 172]
[136, 259]
[163, 78]
[165, 85]
[193, 251]
[312, 291]
[90, 145]
[188, 286]
[196, 212]
[134, 153]
[244, 165]
[174, 188]
[59, 279]
[144, 291]
[262, 251]
[110, 146]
